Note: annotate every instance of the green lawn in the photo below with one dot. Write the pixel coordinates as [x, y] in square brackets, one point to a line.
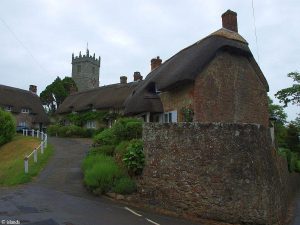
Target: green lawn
[12, 160]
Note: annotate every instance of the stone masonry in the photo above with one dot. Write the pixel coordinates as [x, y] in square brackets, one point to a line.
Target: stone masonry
[229, 91]
[85, 71]
[226, 172]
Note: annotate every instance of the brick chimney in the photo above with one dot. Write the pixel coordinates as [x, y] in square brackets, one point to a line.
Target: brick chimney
[33, 88]
[229, 20]
[156, 62]
[123, 80]
[137, 76]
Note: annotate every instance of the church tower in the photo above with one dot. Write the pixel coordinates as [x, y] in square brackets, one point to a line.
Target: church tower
[85, 71]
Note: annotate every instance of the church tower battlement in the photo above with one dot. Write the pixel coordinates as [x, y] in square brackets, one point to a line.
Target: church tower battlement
[86, 70]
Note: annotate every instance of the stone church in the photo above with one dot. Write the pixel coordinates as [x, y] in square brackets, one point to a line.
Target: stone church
[85, 71]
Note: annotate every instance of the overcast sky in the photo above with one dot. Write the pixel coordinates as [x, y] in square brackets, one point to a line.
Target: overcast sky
[38, 37]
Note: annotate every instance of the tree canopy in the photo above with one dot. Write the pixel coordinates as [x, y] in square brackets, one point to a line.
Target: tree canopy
[56, 92]
[277, 111]
[290, 94]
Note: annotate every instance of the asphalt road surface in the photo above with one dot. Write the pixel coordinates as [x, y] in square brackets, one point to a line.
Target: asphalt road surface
[57, 196]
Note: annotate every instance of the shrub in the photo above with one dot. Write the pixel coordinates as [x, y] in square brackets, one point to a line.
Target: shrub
[124, 185]
[7, 127]
[89, 132]
[297, 169]
[134, 159]
[71, 131]
[292, 138]
[128, 128]
[104, 150]
[121, 148]
[53, 130]
[100, 173]
[106, 137]
[291, 160]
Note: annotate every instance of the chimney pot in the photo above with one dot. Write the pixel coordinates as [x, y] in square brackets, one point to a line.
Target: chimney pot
[137, 76]
[123, 80]
[155, 62]
[229, 20]
[33, 88]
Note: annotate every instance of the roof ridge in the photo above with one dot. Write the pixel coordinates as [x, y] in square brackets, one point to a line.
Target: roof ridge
[102, 87]
[17, 89]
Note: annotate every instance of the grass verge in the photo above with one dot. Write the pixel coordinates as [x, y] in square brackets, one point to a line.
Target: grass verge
[12, 160]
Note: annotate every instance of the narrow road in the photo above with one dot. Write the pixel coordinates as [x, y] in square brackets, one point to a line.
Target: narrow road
[57, 196]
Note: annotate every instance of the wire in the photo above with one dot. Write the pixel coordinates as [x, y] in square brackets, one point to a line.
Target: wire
[21, 43]
[257, 50]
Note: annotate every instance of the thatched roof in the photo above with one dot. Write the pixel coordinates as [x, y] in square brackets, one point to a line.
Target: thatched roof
[184, 67]
[105, 97]
[19, 99]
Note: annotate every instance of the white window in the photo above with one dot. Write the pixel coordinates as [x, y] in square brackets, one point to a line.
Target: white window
[22, 124]
[91, 124]
[170, 117]
[8, 108]
[25, 110]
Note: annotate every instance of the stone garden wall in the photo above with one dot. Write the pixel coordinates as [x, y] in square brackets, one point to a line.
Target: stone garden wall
[225, 172]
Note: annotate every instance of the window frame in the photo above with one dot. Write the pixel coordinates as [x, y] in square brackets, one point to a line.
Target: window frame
[25, 110]
[91, 124]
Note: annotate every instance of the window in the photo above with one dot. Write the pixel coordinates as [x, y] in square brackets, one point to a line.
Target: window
[170, 117]
[8, 108]
[22, 124]
[78, 68]
[91, 124]
[25, 110]
[93, 69]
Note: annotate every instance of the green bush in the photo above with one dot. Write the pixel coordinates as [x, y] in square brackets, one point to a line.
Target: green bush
[291, 160]
[53, 130]
[124, 185]
[121, 148]
[106, 137]
[292, 138]
[100, 173]
[104, 150]
[134, 159]
[88, 132]
[297, 166]
[7, 127]
[128, 128]
[70, 131]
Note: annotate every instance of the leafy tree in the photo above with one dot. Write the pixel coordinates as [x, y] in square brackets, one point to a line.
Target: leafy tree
[292, 138]
[277, 111]
[290, 94]
[296, 122]
[56, 92]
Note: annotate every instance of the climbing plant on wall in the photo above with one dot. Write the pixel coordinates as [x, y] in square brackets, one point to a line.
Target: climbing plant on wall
[187, 113]
[82, 118]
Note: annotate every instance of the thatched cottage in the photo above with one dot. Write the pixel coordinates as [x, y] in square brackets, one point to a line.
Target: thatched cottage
[215, 79]
[25, 106]
[108, 98]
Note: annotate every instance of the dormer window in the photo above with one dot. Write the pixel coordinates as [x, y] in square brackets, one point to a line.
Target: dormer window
[8, 108]
[25, 110]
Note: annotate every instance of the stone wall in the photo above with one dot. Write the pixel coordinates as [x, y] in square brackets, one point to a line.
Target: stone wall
[225, 172]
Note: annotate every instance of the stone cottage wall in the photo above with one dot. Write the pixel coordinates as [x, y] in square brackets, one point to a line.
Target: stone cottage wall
[225, 172]
[229, 91]
[178, 98]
